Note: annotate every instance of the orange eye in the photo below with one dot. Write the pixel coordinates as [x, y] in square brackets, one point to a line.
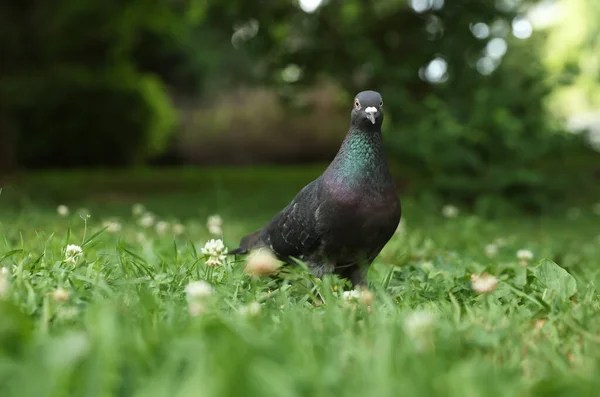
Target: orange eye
[356, 104]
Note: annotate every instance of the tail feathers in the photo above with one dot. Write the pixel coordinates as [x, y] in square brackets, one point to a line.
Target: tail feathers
[248, 243]
[238, 251]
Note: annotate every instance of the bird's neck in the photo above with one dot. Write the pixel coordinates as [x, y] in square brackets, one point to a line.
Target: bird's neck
[361, 159]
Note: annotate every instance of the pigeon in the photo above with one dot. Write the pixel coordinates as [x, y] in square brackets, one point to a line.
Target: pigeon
[341, 221]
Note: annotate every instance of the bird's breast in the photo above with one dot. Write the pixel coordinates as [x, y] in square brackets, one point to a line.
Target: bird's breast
[363, 206]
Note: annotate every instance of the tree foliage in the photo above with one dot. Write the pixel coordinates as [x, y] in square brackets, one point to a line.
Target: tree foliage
[72, 90]
[92, 83]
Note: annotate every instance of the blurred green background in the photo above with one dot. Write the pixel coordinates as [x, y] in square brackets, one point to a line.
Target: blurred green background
[487, 101]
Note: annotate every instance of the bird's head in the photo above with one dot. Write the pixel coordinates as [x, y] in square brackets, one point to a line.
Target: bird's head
[368, 109]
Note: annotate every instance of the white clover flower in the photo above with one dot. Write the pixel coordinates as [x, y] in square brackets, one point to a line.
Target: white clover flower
[216, 252]
[147, 220]
[162, 227]
[359, 294]
[4, 271]
[215, 261]
[351, 296]
[197, 293]
[84, 213]
[418, 321]
[196, 308]
[262, 263]
[60, 295]
[73, 253]
[112, 226]
[491, 250]
[450, 211]
[524, 255]
[484, 283]
[419, 326]
[178, 229]
[4, 283]
[214, 224]
[253, 309]
[62, 210]
[138, 209]
[198, 290]
[73, 250]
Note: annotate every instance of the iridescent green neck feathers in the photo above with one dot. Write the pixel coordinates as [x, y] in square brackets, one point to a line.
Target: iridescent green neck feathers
[361, 159]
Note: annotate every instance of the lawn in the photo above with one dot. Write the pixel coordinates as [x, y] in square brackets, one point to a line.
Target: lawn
[116, 320]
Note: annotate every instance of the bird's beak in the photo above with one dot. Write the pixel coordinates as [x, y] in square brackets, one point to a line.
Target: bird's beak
[371, 111]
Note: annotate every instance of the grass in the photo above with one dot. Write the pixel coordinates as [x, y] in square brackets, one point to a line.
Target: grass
[125, 329]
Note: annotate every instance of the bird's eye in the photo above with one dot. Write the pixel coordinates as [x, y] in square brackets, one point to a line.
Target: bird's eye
[381, 104]
[356, 104]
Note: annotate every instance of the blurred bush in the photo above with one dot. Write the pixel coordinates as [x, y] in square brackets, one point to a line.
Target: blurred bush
[490, 138]
[70, 88]
[113, 117]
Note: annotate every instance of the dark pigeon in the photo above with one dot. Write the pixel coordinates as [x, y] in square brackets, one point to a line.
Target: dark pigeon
[340, 222]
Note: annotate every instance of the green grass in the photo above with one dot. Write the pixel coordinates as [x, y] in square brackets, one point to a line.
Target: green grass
[125, 329]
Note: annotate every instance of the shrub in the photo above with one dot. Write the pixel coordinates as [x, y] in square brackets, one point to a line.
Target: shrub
[115, 117]
[471, 141]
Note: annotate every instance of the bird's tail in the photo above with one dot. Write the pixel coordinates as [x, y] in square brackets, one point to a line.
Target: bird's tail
[247, 244]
